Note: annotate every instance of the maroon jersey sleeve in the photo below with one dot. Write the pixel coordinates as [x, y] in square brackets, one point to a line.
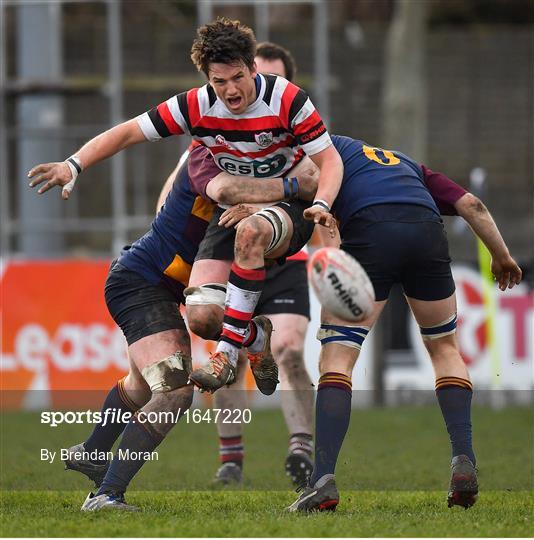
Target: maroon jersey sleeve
[202, 169]
[444, 191]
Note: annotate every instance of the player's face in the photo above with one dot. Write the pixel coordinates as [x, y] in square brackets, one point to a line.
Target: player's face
[275, 67]
[234, 85]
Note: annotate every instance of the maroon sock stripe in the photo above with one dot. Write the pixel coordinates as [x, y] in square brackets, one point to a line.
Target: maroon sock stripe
[231, 449]
[454, 381]
[236, 457]
[335, 380]
[124, 396]
[229, 441]
[443, 382]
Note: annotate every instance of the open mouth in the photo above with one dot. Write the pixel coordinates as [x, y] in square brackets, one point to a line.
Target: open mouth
[234, 102]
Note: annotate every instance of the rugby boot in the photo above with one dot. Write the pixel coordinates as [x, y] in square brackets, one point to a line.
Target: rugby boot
[93, 471]
[321, 497]
[227, 474]
[463, 489]
[217, 373]
[299, 468]
[262, 363]
[107, 501]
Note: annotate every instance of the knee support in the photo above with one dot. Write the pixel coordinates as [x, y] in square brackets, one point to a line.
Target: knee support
[349, 336]
[168, 374]
[276, 218]
[210, 293]
[442, 329]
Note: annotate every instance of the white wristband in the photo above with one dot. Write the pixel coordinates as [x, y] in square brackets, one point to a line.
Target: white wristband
[322, 204]
[75, 167]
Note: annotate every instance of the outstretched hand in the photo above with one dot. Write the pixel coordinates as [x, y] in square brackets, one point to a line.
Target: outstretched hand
[506, 272]
[320, 216]
[53, 174]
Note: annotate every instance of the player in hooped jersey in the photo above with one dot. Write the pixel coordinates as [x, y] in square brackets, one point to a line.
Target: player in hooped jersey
[285, 301]
[143, 291]
[254, 125]
[390, 222]
[259, 126]
[239, 96]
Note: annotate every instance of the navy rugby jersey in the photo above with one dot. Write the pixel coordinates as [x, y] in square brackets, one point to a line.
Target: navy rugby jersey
[375, 176]
[165, 254]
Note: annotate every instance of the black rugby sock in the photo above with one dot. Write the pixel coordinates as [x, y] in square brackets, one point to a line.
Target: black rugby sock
[454, 397]
[107, 431]
[137, 441]
[332, 417]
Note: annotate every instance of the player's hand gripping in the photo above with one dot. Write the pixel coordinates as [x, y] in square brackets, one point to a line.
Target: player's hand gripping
[506, 272]
[53, 174]
[235, 214]
[319, 214]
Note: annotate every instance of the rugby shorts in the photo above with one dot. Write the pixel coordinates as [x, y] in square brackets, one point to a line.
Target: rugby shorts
[218, 242]
[138, 307]
[401, 243]
[285, 290]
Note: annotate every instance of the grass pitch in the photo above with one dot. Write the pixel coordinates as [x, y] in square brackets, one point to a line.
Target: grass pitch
[392, 473]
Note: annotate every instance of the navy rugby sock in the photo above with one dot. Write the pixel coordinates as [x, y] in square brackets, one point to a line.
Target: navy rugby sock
[332, 416]
[454, 397]
[137, 440]
[106, 432]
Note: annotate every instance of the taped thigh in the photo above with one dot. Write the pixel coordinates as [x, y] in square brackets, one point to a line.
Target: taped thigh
[445, 328]
[207, 294]
[276, 217]
[349, 336]
[168, 374]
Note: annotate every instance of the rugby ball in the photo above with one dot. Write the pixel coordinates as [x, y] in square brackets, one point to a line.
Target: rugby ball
[341, 284]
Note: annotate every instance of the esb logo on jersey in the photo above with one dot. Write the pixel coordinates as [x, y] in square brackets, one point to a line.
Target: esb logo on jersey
[259, 169]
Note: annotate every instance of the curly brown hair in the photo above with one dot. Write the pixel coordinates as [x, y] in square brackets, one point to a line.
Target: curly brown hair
[272, 51]
[224, 41]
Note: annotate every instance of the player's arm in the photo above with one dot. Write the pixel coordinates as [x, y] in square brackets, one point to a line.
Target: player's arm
[506, 271]
[312, 136]
[211, 183]
[162, 121]
[229, 189]
[102, 146]
[452, 199]
[330, 174]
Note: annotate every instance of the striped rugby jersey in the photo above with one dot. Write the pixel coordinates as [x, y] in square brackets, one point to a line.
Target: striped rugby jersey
[265, 141]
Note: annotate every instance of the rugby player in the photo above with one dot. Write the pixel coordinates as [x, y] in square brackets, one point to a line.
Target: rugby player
[285, 300]
[254, 125]
[390, 223]
[143, 291]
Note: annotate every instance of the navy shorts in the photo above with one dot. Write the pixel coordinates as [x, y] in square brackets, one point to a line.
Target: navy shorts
[138, 307]
[285, 290]
[218, 242]
[401, 243]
